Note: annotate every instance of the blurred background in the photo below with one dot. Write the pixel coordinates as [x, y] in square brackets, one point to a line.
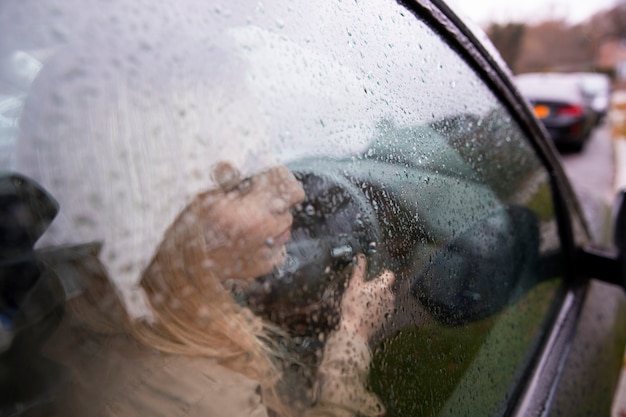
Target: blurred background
[568, 58]
[554, 35]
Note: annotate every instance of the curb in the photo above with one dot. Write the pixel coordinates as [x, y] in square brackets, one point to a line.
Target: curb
[617, 125]
[619, 152]
[617, 122]
[619, 183]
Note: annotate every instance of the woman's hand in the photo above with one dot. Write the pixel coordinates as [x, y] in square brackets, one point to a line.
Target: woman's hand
[366, 304]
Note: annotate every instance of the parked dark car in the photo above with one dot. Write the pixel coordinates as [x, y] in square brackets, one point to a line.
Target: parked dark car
[560, 102]
[413, 146]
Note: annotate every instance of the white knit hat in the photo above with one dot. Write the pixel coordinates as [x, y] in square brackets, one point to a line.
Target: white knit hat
[124, 140]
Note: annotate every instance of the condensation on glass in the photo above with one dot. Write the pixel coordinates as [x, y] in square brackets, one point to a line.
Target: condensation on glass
[261, 208]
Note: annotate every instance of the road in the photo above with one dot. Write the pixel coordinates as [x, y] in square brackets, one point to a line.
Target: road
[591, 174]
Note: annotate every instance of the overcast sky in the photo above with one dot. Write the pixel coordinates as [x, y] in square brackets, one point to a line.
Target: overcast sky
[532, 11]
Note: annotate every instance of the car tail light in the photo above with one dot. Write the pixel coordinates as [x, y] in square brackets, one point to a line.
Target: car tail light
[572, 110]
[541, 111]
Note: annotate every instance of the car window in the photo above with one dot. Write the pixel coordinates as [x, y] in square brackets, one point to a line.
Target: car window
[265, 208]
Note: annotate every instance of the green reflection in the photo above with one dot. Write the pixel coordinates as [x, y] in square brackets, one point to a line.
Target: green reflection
[464, 370]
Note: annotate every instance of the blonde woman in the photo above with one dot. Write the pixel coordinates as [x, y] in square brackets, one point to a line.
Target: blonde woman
[166, 162]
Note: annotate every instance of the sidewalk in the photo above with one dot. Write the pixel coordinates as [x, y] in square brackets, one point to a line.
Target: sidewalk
[617, 120]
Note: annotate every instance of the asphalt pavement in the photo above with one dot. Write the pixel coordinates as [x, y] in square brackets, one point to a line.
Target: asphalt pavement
[591, 173]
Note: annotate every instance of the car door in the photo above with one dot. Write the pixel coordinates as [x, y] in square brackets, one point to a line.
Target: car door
[412, 147]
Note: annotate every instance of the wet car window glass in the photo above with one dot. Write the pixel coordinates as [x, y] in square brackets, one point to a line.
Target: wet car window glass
[237, 212]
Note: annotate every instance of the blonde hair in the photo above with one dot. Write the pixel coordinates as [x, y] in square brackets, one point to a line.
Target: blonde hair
[195, 315]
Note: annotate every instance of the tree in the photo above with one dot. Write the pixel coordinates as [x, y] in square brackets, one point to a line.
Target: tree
[556, 46]
[507, 39]
[618, 17]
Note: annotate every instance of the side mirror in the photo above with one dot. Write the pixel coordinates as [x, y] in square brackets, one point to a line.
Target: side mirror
[609, 265]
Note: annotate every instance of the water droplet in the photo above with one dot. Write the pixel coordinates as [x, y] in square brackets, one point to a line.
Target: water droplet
[371, 248]
[344, 251]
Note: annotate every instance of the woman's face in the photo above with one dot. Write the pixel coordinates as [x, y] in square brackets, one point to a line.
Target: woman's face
[247, 223]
